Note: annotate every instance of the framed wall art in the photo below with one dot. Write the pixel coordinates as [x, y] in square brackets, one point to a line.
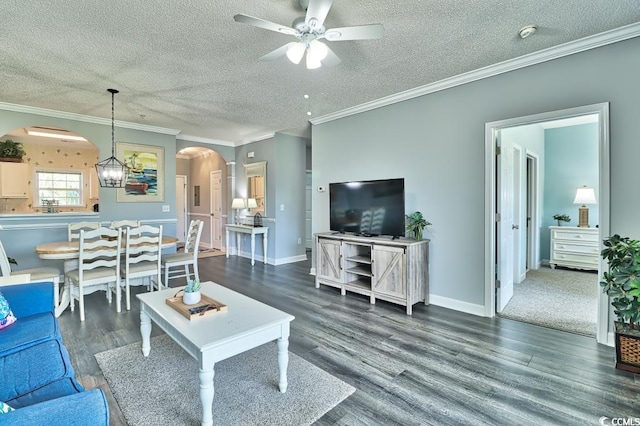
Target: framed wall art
[146, 173]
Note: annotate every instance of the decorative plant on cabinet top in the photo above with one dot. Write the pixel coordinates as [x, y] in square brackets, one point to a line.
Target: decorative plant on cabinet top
[11, 151]
[416, 223]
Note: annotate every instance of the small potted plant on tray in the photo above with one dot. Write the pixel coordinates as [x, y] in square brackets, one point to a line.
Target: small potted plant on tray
[561, 218]
[622, 284]
[192, 293]
[11, 151]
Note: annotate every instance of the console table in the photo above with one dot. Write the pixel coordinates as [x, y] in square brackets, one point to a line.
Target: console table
[253, 230]
[574, 247]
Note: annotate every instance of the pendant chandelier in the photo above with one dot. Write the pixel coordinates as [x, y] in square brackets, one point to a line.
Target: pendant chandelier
[112, 173]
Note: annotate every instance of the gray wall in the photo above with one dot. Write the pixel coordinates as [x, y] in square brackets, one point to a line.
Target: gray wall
[436, 142]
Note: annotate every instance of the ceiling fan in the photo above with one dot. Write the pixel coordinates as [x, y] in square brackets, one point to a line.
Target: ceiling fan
[309, 30]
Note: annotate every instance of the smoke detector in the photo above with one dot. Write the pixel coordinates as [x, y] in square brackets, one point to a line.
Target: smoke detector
[527, 31]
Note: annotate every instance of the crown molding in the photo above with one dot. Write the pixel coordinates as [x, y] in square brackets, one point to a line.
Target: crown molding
[562, 50]
[208, 141]
[257, 139]
[85, 118]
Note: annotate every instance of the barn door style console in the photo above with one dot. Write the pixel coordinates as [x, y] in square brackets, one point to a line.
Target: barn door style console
[393, 270]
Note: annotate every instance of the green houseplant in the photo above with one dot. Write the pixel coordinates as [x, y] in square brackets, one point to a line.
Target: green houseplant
[622, 284]
[561, 218]
[416, 223]
[11, 151]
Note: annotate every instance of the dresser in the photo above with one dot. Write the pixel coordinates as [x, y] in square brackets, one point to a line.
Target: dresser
[574, 247]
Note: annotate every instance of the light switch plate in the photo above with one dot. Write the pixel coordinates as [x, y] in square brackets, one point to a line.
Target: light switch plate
[166, 209]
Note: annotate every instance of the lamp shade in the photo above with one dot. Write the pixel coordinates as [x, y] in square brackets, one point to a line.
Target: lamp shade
[251, 203]
[238, 203]
[585, 195]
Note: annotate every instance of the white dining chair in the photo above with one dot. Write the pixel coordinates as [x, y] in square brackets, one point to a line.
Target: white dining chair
[183, 259]
[43, 274]
[126, 224]
[98, 266]
[73, 229]
[142, 255]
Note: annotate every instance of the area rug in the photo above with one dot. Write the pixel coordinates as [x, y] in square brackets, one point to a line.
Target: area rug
[562, 299]
[202, 253]
[163, 388]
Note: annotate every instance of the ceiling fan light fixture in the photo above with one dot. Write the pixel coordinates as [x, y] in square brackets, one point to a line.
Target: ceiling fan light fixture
[318, 50]
[312, 63]
[296, 52]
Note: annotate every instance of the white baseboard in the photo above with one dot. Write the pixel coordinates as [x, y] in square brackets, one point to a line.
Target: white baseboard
[270, 261]
[457, 305]
[312, 271]
[611, 339]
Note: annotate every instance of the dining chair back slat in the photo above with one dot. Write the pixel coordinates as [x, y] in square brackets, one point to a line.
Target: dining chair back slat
[188, 257]
[73, 229]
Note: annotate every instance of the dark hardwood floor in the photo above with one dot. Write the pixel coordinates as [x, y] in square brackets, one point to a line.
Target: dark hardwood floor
[437, 367]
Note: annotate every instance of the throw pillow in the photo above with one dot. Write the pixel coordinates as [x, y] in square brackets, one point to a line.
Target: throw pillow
[4, 408]
[6, 316]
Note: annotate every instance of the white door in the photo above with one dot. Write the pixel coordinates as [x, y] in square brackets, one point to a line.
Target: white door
[215, 183]
[518, 215]
[505, 226]
[181, 207]
[307, 213]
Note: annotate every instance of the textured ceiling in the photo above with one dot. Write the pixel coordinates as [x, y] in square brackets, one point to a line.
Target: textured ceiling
[187, 65]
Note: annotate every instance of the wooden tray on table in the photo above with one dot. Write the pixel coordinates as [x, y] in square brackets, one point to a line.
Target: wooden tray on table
[206, 306]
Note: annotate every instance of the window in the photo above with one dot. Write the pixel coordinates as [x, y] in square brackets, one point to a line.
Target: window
[65, 188]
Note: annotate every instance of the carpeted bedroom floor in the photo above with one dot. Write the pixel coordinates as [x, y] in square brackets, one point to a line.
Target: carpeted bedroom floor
[563, 299]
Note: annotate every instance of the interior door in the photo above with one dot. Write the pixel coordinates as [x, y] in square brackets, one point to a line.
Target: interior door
[307, 213]
[215, 183]
[506, 224]
[181, 207]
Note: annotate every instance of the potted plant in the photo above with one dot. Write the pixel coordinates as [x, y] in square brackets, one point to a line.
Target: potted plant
[622, 284]
[415, 225]
[11, 151]
[561, 218]
[192, 293]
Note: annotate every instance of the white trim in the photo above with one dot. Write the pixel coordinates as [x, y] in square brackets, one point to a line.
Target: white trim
[551, 53]
[312, 271]
[258, 139]
[190, 138]
[85, 118]
[611, 339]
[456, 305]
[292, 259]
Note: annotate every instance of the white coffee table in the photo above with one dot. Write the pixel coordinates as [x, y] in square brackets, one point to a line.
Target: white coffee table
[245, 325]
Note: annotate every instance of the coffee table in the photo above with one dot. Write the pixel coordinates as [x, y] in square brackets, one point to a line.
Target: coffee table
[245, 325]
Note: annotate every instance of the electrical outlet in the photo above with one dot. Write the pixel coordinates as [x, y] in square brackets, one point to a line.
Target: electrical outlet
[166, 209]
[299, 240]
[281, 207]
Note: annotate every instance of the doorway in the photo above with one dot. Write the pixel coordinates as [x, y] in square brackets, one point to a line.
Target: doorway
[499, 208]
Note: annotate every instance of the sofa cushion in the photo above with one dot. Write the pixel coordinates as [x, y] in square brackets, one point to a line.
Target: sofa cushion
[26, 371]
[57, 389]
[29, 331]
[6, 316]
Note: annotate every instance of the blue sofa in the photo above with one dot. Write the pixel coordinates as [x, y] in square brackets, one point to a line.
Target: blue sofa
[36, 376]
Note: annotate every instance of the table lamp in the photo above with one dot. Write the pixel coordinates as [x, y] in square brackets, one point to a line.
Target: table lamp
[584, 196]
[252, 203]
[238, 204]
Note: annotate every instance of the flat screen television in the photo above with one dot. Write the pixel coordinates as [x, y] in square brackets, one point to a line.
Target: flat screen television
[369, 208]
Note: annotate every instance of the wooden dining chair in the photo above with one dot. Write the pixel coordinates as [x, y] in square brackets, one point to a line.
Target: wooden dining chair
[44, 274]
[183, 259]
[98, 266]
[143, 251]
[73, 229]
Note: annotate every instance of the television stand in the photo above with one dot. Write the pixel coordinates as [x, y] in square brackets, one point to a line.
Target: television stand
[396, 271]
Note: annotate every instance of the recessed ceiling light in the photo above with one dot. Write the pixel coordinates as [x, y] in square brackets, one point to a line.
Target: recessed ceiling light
[527, 31]
[306, 96]
[308, 112]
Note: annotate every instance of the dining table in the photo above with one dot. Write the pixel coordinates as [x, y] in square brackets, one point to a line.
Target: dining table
[69, 252]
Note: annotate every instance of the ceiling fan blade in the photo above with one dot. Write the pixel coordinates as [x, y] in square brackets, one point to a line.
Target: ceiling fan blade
[362, 32]
[317, 12]
[261, 23]
[331, 60]
[280, 51]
